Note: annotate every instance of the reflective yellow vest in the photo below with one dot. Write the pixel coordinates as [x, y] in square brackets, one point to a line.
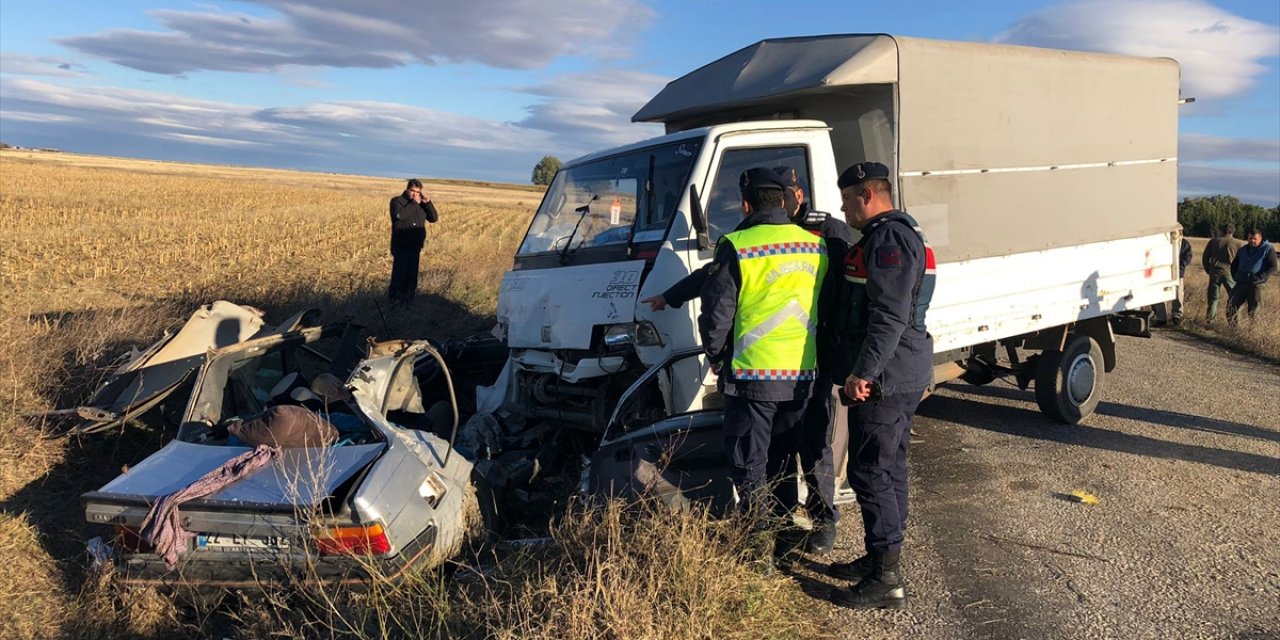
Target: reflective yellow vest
[773, 330]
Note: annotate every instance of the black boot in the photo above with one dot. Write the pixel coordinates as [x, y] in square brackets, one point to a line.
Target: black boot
[787, 544]
[851, 571]
[883, 588]
[822, 539]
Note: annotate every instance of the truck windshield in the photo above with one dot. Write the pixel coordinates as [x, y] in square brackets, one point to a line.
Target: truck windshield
[630, 196]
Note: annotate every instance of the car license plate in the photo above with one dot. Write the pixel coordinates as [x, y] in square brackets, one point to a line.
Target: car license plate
[232, 542]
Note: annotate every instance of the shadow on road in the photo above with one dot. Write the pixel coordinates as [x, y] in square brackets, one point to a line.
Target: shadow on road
[1029, 423]
[1157, 416]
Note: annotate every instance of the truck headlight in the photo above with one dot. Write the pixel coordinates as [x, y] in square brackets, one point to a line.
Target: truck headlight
[640, 334]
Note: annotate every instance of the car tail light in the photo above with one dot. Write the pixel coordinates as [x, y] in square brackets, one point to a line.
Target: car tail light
[370, 539]
[130, 540]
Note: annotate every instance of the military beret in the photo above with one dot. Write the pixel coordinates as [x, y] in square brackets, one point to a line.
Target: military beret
[862, 172]
[760, 178]
[788, 175]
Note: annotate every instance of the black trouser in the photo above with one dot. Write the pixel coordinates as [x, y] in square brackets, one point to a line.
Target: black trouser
[878, 437]
[404, 273]
[821, 438]
[1243, 294]
[752, 452]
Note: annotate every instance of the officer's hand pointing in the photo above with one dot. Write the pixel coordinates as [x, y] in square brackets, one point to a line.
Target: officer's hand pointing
[656, 303]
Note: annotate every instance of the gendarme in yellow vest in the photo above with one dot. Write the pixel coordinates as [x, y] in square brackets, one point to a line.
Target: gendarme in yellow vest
[773, 330]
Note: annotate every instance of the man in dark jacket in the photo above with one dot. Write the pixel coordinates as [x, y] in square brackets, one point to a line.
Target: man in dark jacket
[823, 438]
[1216, 260]
[889, 277]
[757, 328]
[410, 213]
[1255, 263]
[1162, 312]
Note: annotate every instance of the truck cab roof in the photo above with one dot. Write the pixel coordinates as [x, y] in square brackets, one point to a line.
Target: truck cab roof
[698, 134]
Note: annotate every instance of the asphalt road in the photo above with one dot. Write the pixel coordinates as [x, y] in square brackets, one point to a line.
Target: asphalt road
[1184, 453]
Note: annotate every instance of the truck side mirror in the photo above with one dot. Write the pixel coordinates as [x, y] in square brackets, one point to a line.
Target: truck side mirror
[699, 219]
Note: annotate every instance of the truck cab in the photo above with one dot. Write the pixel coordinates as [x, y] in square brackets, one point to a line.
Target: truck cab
[621, 225]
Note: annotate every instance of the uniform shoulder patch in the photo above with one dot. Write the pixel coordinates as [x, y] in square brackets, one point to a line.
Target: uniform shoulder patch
[889, 256]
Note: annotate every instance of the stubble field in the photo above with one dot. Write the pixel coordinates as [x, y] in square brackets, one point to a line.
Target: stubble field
[1259, 335]
[100, 255]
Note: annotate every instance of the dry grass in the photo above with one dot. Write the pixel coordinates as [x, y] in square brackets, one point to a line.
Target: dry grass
[100, 255]
[1259, 336]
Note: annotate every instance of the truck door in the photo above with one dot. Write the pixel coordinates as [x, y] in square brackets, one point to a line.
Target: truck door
[808, 151]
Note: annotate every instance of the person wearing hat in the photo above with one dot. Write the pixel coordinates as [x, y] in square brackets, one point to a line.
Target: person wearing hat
[886, 364]
[833, 230]
[823, 435]
[759, 304]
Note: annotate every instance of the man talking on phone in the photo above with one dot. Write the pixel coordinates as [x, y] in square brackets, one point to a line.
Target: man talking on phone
[410, 213]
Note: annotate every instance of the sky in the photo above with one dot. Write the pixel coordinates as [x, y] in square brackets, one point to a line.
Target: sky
[481, 89]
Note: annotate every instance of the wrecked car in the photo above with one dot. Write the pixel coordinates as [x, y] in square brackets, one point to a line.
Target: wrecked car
[389, 495]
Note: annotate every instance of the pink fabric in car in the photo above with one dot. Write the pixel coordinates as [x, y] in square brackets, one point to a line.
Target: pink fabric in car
[162, 528]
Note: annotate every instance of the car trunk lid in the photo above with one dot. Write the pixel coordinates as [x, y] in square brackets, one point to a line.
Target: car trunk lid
[297, 481]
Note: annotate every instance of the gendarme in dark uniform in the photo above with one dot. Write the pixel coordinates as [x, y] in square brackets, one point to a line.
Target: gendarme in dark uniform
[410, 213]
[823, 433]
[757, 325]
[887, 362]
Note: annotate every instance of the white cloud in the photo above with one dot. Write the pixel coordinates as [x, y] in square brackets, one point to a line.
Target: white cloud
[213, 140]
[1259, 186]
[1203, 148]
[22, 64]
[589, 111]
[516, 34]
[27, 116]
[1220, 52]
[404, 124]
[353, 136]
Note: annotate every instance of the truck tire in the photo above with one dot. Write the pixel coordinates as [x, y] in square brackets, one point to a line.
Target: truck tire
[1069, 382]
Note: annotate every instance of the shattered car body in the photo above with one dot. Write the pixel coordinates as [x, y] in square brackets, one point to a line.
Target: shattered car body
[145, 378]
[387, 497]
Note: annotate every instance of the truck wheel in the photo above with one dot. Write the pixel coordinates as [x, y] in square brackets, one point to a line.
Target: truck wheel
[1069, 382]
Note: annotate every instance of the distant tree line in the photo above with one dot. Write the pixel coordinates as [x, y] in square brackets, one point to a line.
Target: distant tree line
[1202, 216]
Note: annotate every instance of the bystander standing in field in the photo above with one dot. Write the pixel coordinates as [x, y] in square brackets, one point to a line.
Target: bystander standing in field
[410, 213]
[1217, 258]
[1255, 262]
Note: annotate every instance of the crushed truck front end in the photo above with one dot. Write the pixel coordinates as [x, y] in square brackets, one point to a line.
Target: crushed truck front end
[617, 227]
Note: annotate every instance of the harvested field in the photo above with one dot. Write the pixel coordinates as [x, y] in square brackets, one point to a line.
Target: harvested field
[100, 255]
[1260, 335]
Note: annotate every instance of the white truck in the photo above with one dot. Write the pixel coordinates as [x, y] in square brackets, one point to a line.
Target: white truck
[1045, 180]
